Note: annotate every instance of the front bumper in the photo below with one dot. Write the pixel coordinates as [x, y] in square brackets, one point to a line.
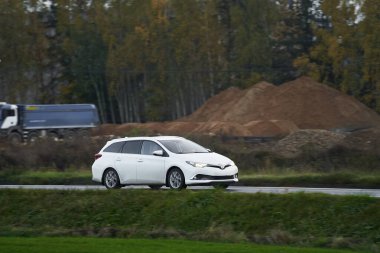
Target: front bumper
[212, 176]
[212, 182]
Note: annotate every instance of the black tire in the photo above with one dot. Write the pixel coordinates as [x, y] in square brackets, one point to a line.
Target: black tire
[155, 187]
[84, 133]
[70, 135]
[111, 179]
[15, 138]
[32, 137]
[176, 179]
[221, 186]
[53, 136]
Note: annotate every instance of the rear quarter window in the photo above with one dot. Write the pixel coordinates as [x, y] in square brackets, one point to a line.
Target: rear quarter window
[114, 147]
[132, 147]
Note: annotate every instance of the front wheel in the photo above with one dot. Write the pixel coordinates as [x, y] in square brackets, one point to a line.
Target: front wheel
[111, 179]
[176, 179]
[15, 138]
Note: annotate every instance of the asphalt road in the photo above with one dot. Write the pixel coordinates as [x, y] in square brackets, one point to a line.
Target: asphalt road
[241, 189]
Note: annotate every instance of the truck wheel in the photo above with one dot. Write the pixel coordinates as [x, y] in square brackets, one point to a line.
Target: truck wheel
[53, 136]
[69, 135]
[83, 133]
[32, 137]
[15, 138]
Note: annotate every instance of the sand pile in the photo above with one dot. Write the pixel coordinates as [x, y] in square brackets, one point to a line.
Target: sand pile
[311, 105]
[270, 127]
[230, 104]
[268, 110]
[215, 107]
[302, 103]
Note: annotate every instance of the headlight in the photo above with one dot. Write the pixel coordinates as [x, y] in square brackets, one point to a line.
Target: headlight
[196, 164]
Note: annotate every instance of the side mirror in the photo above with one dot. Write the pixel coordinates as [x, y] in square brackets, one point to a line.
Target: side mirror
[158, 152]
[209, 150]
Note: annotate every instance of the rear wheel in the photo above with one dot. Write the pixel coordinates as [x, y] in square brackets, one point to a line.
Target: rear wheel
[84, 133]
[33, 137]
[111, 179]
[53, 136]
[176, 179]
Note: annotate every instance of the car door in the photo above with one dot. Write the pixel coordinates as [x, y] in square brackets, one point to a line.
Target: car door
[126, 162]
[151, 168]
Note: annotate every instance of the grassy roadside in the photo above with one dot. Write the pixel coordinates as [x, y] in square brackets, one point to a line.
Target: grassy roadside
[312, 179]
[101, 245]
[68, 162]
[303, 179]
[52, 177]
[314, 220]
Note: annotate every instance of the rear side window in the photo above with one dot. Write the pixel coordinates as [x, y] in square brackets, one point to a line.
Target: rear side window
[149, 147]
[114, 147]
[132, 147]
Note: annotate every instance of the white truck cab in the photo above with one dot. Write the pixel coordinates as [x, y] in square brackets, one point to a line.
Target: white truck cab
[8, 116]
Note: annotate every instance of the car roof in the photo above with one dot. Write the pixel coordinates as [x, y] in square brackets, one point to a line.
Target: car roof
[147, 138]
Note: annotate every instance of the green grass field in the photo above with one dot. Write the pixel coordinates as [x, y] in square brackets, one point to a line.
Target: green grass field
[106, 245]
[53, 177]
[315, 220]
[349, 179]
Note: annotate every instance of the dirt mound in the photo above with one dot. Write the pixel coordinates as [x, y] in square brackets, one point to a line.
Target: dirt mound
[268, 110]
[306, 103]
[366, 140]
[222, 128]
[295, 143]
[312, 105]
[216, 106]
[244, 105]
[270, 127]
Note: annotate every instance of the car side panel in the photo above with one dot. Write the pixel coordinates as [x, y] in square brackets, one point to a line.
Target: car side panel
[151, 169]
[125, 165]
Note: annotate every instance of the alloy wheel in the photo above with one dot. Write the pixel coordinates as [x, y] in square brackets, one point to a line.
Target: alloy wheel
[176, 179]
[111, 179]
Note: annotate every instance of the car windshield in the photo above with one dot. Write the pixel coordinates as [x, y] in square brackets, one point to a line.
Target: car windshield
[183, 146]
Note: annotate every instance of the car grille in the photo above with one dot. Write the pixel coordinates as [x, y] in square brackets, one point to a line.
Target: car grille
[207, 177]
[222, 167]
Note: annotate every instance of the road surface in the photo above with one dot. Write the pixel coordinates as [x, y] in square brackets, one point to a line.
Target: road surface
[241, 189]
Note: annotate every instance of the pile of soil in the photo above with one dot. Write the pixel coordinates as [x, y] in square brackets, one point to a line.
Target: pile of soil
[269, 110]
[365, 139]
[266, 110]
[270, 128]
[299, 141]
[215, 107]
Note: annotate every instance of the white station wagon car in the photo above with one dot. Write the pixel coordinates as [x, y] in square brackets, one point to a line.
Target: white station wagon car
[165, 160]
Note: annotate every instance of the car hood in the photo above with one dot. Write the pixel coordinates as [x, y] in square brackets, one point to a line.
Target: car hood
[209, 158]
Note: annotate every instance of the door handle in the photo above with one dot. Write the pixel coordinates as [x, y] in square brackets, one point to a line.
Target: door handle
[118, 159]
[140, 160]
